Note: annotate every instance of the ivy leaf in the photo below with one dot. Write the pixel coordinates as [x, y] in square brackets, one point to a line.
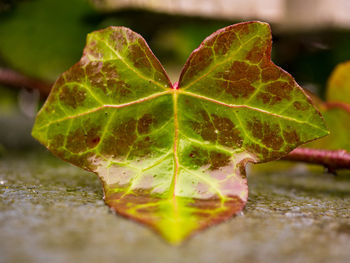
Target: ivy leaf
[336, 110]
[173, 156]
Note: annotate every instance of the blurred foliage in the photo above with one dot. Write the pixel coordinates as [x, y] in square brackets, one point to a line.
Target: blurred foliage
[8, 100]
[42, 38]
[339, 84]
[337, 117]
[338, 122]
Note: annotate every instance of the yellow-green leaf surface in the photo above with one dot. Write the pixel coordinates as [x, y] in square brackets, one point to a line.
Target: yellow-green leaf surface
[336, 110]
[173, 156]
[338, 88]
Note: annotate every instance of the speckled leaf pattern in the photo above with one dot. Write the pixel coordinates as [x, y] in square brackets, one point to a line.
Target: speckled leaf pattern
[173, 156]
[336, 118]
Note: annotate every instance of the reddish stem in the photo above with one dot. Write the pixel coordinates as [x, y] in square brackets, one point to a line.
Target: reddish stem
[15, 79]
[333, 105]
[333, 160]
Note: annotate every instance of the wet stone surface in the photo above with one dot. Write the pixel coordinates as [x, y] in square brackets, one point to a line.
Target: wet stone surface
[51, 211]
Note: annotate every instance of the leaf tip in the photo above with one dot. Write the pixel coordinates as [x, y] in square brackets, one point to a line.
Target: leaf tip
[175, 236]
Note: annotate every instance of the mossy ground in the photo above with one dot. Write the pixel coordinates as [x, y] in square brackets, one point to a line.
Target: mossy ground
[51, 211]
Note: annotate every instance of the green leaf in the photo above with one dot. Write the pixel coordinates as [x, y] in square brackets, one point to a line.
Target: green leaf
[173, 156]
[338, 88]
[338, 121]
[336, 110]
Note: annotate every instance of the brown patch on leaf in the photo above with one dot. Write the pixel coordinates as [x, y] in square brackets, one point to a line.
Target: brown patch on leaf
[268, 134]
[118, 38]
[256, 54]
[123, 203]
[118, 88]
[93, 68]
[105, 77]
[92, 137]
[256, 127]
[199, 157]
[93, 50]
[144, 123]
[72, 96]
[270, 73]
[237, 71]
[202, 214]
[224, 41]
[82, 161]
[253, 73]
[123, 137]
[243, 29]
[240, 88]
[216, 128]
[232, 204]
[273, 155]
[205, 128]
[280, 89]
[81, 140]
[228, 134]
[207, 204]
[266, 60]
[56, 142]
[258, 150]
[201, 60]
[110, 70]
[96, 78]
[300, 105]
[272, 137]
[237, 80]
[142, 196]
[75, 73]
[131, 36]
[60, 81]
[291, 137]
[142, 147]
[242, 169]
[98, 81]
[265, 97]
[276, 92]
[138, 57]
[218, 160]
[149, 209]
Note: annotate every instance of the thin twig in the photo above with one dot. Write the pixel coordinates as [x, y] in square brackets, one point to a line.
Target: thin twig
[332, 160]
[15, 79]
